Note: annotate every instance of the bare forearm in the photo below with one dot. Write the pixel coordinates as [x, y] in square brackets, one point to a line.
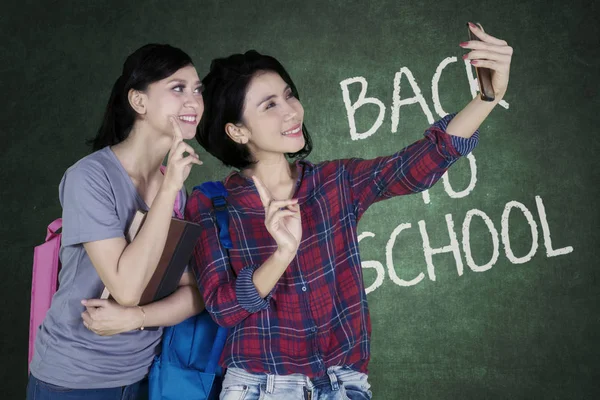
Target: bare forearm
[267, 275]
[466, 122]
[140, 258]
[185, 302]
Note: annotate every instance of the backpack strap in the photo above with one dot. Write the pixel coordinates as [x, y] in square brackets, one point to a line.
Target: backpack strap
[217, 349]
[53, 228]
[217, 193]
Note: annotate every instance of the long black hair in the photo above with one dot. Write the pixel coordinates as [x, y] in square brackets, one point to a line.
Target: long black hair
[148, 64]
[224, 94]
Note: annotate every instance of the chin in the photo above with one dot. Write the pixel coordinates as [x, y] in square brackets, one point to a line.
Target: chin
[296, 149]
[189, 133]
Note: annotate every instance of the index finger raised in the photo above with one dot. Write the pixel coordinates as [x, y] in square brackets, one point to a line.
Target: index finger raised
[263, 192]
[177, 134]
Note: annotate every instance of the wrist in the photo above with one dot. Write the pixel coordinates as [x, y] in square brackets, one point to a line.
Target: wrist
[168, 191]
[482, 107]
[497, 99]
[139, 318]
[283, 256]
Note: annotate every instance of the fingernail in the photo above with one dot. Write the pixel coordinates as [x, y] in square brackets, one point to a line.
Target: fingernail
[84, 302]
[473, 62]
[472, 25]
[464, 44]
[465, 56]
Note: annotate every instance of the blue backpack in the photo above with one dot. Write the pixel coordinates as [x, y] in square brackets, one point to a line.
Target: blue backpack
[188, 366]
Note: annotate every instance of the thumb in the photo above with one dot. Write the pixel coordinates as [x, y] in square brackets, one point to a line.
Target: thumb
[90, 303]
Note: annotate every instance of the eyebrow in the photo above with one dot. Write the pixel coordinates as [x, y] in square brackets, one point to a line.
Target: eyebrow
[287, 87]
[182, 81]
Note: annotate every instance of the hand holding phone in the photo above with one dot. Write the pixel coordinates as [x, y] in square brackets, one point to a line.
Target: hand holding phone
[484, 75]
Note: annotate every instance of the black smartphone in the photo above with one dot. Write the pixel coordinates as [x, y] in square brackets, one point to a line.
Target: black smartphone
[484, 76]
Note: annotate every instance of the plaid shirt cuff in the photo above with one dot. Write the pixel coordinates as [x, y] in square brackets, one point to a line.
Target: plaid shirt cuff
[462, 145]
[465, 145]
[247, 294]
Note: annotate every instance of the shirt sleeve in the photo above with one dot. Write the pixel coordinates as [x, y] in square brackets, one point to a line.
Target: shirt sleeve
[229, 299]
[88, 204]
[411, 170]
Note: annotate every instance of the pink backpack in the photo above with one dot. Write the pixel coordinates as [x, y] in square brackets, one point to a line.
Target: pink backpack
[44, 278]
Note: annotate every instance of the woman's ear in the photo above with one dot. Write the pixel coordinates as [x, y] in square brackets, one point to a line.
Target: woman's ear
[137, 100]
[237, 133]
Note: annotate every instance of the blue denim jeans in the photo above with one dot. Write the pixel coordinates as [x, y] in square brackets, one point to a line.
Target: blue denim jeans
[39, 390]
[339, 384]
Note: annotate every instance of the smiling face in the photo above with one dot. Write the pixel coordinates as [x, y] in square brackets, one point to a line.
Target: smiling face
[179, 95]
[272, 118]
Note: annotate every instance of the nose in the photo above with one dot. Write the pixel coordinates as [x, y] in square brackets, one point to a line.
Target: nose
[193, 101]
[290, 112]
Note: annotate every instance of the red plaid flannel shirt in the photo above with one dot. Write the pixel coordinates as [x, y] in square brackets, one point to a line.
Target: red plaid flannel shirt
[317, 315]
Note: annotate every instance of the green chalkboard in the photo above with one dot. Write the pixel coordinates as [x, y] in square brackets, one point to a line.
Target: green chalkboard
[485, 287]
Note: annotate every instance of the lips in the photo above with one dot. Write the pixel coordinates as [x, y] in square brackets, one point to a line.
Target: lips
[294, 131]
[188, 119]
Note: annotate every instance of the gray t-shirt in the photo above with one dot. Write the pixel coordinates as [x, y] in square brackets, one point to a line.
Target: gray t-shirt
[99, 201]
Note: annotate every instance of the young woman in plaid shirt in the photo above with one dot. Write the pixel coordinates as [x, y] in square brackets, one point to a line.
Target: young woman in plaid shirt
[291, 288]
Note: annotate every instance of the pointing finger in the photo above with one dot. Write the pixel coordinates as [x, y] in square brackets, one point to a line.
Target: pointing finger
[263, 192]
[177, 134]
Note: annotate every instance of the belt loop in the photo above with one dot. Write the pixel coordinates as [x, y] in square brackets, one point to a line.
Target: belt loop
[308, 383]
[333, 379]
[270, 383]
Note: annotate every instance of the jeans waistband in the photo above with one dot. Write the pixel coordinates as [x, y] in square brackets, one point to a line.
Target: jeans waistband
[332, 377]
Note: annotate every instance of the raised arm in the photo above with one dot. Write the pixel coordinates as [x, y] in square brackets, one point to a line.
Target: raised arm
[420, 165]
[125, 269]
[229, 298]
[492, 53]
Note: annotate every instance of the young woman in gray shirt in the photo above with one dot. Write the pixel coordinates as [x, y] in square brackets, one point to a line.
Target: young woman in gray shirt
[98, 349]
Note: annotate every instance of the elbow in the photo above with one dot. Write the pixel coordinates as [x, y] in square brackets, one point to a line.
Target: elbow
[421, 189]
[433, 179]
[127, 299]
[197, 302]
[125, 290]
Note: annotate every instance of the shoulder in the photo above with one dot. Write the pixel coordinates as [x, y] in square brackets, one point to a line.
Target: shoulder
[198, 199]
[91, 173]
[329, 169]
[97, 164]
[197, 204]
[318, 179]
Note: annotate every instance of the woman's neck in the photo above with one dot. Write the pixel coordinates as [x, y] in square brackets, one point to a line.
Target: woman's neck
[277, 174]
[142, 153]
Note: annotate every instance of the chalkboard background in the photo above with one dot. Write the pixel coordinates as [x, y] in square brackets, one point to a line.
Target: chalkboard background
[524, 327]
